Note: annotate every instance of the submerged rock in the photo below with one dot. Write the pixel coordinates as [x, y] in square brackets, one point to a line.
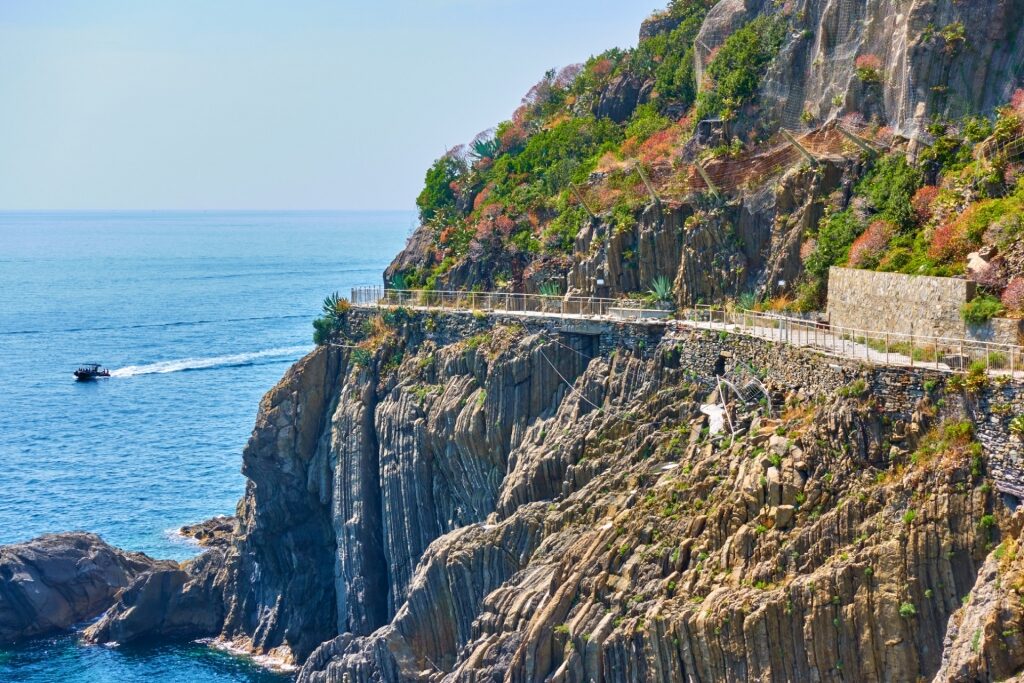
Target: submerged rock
[53, 582]
[212, 533]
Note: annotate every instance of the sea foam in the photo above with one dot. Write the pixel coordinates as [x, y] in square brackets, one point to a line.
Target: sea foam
[181, 365]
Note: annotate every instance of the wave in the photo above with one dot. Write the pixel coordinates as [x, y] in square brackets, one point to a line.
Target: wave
[185, 364]
[180, 323]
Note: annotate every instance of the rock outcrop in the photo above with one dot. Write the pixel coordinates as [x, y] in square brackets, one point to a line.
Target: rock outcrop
[166, 603]
[54, 582]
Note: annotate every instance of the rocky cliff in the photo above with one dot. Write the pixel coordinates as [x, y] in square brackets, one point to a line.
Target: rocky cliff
[934, 58]
[479, 500]
[895, 71]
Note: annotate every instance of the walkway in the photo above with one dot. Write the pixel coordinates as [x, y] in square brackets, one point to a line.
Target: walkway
[879, 348]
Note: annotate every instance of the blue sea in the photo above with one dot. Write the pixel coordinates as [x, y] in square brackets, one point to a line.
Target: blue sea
[197, 314]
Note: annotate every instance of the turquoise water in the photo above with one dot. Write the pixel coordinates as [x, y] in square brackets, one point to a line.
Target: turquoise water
[197, 314]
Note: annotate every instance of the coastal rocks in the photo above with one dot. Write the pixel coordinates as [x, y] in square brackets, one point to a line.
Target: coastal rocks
[215, 532]
[55, 581]
[166, 603]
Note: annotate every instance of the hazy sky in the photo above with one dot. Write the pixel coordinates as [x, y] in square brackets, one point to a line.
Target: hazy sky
[150, 104]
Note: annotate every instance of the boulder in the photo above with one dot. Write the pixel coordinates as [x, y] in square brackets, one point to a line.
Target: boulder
[56, 581]
[168, 602]
[620, 98]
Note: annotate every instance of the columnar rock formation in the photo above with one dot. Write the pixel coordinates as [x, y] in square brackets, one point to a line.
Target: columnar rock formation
[504, 503]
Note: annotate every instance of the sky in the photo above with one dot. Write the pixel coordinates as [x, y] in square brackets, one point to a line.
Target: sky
[267, 104]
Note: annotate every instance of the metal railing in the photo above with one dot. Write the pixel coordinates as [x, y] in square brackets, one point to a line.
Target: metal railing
[508, 302]
[883, 348]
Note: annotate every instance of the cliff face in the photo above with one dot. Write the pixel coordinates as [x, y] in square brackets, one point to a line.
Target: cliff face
[500, 502]
[605, 537]
[935, 58]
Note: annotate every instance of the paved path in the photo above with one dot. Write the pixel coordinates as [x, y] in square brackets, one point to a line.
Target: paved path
[803, 335]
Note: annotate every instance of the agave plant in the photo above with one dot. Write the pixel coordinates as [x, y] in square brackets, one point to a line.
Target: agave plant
[550, 289]
[747, 301]
[661, 289]
[335, 306]
[399, 281]
[484, 148]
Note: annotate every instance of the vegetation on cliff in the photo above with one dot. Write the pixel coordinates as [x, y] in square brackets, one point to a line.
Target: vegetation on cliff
[602, 153]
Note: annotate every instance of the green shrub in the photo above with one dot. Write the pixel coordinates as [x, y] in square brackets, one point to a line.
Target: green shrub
[835, 235]
[908, 610]
[738, 67]
[981, 309]
[1017, 426]
[646, 122]
[890, 186]
[855, 389]
[437, 193]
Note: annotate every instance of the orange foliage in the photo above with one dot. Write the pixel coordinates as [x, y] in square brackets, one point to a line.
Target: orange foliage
[871, 244]
[949, 241]
[922, 202]
[481, 199]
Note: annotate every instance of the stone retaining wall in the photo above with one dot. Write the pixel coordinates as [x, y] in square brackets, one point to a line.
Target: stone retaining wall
[892, 302]
[910, 304]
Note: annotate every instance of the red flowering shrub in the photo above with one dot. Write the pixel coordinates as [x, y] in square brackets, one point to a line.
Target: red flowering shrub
[869, 247]
[1017, 100]
[922, 203]
[481, 198]
[567, 75]
[661, 146]
[1013, 295]
[602, 67]
[949, 242]
[505, 225]
[513, 135]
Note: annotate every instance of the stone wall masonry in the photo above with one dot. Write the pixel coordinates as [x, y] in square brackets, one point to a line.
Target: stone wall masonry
[892, 302]
[898, 390]
[910, 304]
[448, 327]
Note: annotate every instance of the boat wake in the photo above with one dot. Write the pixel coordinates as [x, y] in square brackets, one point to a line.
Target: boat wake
[168, 366]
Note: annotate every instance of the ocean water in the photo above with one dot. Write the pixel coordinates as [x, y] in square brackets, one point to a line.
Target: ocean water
[197, 315]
